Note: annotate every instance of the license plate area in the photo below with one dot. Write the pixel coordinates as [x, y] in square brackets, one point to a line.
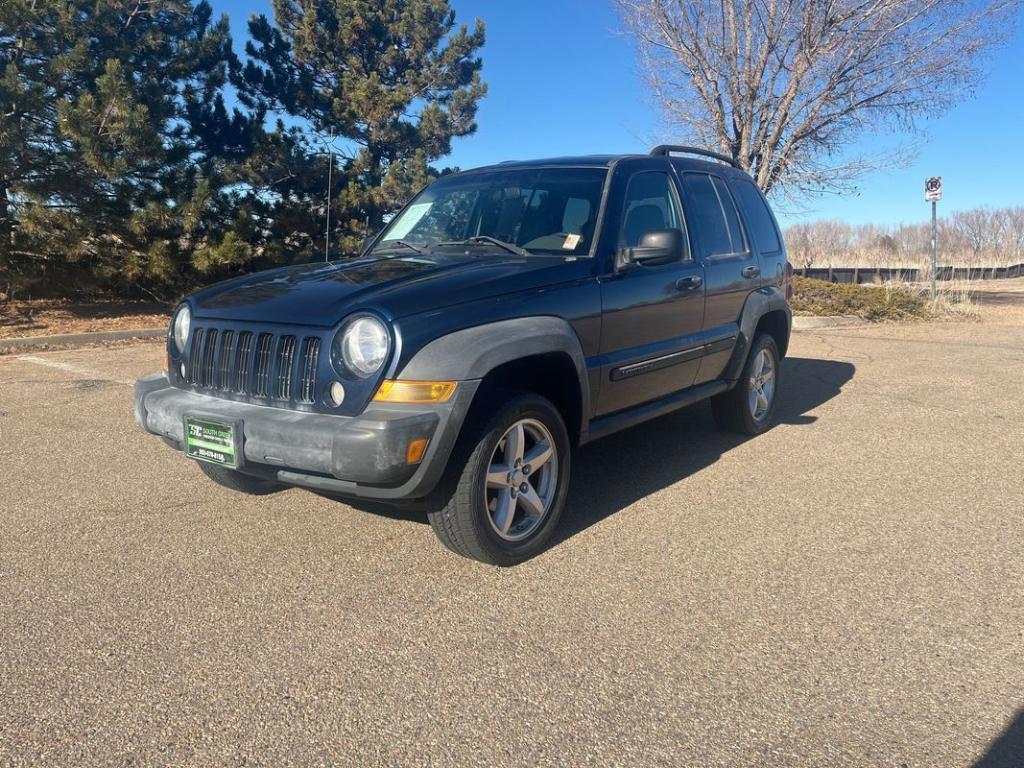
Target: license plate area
[213, 441]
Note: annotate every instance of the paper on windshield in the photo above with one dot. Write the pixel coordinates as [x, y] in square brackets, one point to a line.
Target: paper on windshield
[409, 219]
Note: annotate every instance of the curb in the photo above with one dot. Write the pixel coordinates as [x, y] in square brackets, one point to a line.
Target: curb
[67, 339]
[801, 323]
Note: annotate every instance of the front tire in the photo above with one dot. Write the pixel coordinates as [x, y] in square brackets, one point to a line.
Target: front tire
[749, 407]
[237, 481]
[506, 485]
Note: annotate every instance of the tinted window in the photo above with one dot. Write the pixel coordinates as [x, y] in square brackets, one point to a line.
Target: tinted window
[576, 215]
[732, 216]
[759, 217]
[650, 204]
[550, 210]
[713, 214]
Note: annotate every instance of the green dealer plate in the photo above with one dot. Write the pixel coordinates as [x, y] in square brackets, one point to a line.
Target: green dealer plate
[212, 441]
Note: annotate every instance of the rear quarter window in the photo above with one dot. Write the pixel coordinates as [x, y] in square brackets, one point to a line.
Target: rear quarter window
[762, 225]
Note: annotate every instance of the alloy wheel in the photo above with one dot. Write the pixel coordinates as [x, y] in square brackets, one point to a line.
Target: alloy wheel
[522, 477]
[762, 385]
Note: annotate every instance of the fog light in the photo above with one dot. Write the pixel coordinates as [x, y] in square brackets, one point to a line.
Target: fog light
[414, 453]
[415, 391]
[337, 393]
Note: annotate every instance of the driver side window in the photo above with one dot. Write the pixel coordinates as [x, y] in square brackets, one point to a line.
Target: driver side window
[651, 203]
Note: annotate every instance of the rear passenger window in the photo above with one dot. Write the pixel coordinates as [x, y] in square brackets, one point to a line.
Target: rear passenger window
[714, 215]
[759, 217]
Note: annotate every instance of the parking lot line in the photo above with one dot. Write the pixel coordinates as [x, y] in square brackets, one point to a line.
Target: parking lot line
[71, 368]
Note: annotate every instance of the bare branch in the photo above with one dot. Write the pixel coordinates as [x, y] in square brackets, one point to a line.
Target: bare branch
[785, 86]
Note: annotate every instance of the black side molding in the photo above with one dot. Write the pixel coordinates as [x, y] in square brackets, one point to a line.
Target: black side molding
[674, 358]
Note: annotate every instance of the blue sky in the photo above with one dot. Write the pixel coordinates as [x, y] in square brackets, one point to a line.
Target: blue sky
[564, 80]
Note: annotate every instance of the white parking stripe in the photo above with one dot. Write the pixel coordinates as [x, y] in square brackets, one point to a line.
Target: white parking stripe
[70, 368]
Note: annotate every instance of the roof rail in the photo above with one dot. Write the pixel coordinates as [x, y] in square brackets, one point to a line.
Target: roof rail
[663, 150]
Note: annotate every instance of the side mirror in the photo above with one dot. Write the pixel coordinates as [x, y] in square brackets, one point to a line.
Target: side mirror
[657, 246]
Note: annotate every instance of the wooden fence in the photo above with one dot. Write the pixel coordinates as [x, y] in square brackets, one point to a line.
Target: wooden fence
[909, 275]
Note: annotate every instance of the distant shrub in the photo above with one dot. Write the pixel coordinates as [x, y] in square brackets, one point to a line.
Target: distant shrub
[818, 297]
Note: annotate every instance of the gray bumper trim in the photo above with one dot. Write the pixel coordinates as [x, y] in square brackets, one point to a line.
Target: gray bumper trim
[362, 456]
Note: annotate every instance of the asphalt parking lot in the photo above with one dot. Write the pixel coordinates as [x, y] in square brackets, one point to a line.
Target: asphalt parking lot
[847, 589]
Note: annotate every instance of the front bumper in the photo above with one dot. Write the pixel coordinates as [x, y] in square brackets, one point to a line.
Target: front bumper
[357, 456]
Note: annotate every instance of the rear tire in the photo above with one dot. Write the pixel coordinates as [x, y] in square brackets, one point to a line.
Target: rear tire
[492, 506]
[237, 481]
[749, 407]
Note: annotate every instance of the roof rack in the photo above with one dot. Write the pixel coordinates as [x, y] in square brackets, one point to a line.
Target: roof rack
[663, 150]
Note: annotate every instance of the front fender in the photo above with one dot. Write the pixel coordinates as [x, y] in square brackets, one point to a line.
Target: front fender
[474, 352]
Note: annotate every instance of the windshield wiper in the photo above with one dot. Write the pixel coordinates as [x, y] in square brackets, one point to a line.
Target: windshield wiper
[488, 240]
[405, 243]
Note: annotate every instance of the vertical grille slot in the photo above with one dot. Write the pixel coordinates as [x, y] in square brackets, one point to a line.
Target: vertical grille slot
[285, 362]
[261, 367]
[224, 360]
[194, 353]
[242, 357]
[307, 369]
[209, 355]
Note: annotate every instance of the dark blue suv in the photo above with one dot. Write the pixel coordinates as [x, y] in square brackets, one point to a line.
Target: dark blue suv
[505, 316]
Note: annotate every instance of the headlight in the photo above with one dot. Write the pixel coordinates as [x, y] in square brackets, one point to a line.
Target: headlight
[363, 346]
[182, 321]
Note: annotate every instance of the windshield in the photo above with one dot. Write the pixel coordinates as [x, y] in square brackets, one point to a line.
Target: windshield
[541, 210]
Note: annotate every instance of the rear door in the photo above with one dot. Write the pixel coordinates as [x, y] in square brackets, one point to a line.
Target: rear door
[731, 267]
[764, 231]
[652, 314]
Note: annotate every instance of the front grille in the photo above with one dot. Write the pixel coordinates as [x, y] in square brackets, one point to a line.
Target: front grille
[261, 365]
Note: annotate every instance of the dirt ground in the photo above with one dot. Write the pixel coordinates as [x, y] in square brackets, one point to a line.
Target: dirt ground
[49, 317]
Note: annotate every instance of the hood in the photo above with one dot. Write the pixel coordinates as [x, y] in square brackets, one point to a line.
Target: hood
[322, 294]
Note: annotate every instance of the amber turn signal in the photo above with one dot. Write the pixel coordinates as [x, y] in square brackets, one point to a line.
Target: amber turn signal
[414, 391]
[414, 453]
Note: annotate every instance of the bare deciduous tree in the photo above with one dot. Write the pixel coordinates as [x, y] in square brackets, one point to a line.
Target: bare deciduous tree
[784, 86]
[979, 238]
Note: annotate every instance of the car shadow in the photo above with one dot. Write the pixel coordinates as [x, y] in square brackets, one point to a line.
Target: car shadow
[621, 469]
[1007, 749]
[614, 472]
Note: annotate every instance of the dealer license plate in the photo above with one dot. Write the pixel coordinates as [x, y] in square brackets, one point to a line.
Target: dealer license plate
[212, 441]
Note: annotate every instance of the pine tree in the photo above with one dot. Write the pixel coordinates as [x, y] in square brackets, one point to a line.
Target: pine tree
[392, 82]
[116, 146]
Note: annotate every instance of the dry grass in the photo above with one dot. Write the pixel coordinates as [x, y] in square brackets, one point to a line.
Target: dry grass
[49, 317]
[953, 300]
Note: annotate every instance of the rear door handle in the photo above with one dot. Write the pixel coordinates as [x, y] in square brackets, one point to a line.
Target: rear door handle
[751, 272]
[689, 283]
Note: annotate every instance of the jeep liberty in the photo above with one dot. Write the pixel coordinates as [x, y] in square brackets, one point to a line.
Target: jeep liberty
[504, 317]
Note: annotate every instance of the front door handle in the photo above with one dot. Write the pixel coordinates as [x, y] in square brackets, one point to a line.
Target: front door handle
[751, 272]
[689, 283]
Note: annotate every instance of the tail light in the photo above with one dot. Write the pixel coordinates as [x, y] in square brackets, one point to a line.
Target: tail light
[789, 281]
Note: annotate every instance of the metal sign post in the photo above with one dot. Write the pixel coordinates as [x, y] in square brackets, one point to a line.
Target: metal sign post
[932, 194]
